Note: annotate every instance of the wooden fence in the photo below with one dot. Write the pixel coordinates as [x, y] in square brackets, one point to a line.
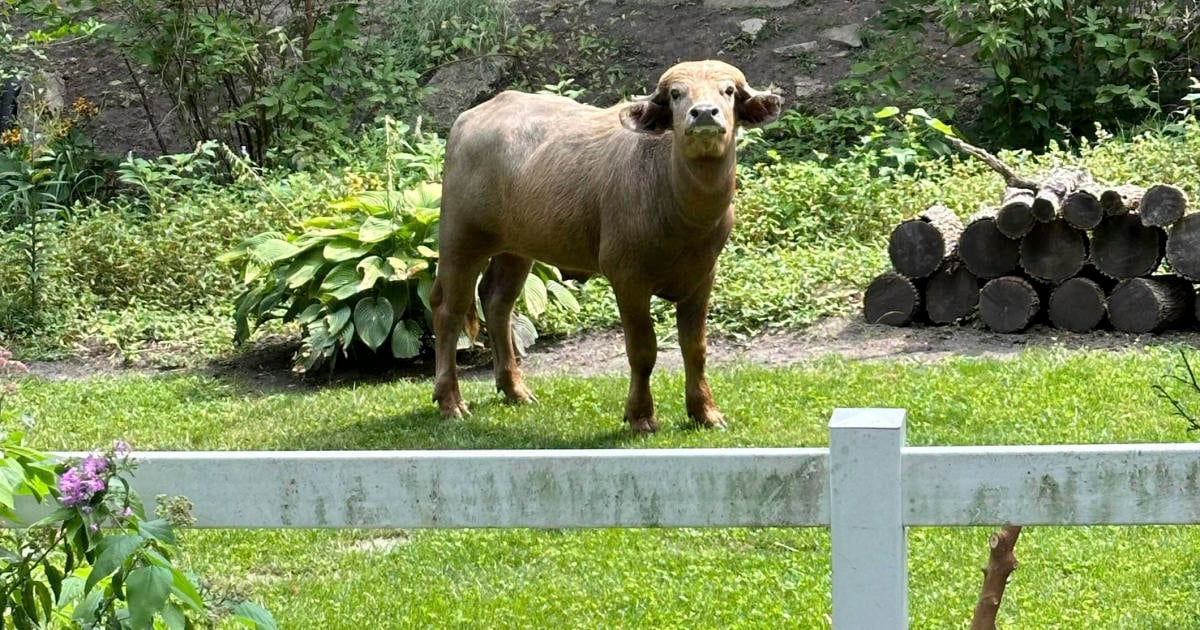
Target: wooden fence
[867, 487]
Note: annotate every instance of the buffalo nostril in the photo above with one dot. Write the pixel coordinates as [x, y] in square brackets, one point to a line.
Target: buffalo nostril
[705, 110]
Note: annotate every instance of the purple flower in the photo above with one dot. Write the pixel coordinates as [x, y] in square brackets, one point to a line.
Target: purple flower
[127, 512]
[122, 448]
[79, 484]
[94, 464]
[70, 489]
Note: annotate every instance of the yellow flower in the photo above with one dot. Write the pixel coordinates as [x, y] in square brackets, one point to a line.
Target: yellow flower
[83, 108]
[11, 137]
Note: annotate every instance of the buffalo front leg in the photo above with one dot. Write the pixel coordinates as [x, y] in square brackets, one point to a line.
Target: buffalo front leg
[690, 316]
[502, 283]
[451, 297]
[641, 347]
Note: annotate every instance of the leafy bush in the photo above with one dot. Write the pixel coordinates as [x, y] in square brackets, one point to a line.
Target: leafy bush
[293, 81]
[361, 276]
[1059, 66]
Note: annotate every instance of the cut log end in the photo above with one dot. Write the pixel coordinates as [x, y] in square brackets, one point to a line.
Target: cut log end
[916, 247]
[1122, 199]
[1183, 247]
[951, 294]
[1144, 305]
[1077, 305]
[1124, 248]
[1015, 217]
[891, 299]
[986, 251]
[1162, 205]
[1053, 251]
[1081, 210]
[1008, 304]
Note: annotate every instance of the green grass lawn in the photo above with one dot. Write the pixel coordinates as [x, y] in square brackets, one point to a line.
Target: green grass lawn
[1098, 577]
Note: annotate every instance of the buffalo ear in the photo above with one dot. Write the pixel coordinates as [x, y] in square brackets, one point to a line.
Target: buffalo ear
[646, 116]
[757, 108]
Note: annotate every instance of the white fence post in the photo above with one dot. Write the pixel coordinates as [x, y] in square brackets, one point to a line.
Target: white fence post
[870, 568]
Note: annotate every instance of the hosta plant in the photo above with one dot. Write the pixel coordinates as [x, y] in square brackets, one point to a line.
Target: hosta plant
[359, 278]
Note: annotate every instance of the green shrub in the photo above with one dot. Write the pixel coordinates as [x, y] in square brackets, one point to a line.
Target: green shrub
[362, 276]
[289, 88]
[1058, 66]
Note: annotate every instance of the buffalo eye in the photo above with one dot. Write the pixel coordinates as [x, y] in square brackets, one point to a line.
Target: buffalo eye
[729, 91]
[675, 94]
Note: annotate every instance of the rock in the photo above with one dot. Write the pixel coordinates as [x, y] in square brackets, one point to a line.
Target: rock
[848, 35]
[459, 86]
[752, 26]
[810, 87]
[792, 50]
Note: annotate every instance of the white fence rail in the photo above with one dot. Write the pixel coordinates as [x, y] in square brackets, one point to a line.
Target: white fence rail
[866, 487]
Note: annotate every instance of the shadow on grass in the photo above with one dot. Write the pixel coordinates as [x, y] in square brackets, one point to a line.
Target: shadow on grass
[426, 429]
[267, 369]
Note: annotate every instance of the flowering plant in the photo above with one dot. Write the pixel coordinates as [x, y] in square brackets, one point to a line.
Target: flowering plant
[95, 560]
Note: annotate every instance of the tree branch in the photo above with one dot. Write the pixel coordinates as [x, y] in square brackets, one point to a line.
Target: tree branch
[1011, 178]
[1001, 563]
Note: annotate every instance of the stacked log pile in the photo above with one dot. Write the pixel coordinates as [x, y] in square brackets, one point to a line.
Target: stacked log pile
[1065, 250]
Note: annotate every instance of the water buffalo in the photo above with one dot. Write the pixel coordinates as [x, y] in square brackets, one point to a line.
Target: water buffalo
[639, 192]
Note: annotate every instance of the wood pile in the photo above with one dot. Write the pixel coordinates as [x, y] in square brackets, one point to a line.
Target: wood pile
[1060, 249]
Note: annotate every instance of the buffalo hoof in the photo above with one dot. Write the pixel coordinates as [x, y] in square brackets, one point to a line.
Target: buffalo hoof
[519, 394]
[710, 419]
[643, 426]
[453, 408]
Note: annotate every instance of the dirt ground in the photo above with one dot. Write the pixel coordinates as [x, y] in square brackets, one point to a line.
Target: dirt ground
[267, 366]
[649, 38]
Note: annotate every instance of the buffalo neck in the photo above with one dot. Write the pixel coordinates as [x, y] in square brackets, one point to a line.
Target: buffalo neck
[703, 188]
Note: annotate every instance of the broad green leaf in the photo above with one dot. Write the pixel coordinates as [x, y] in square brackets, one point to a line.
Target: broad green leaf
[337, 319]
[406, 339]
[273, 250]
[398, 294]
[427, 195]
[535, 295]
[940, 127]
[72, 590]
[310, 314]
[373, 268]
[114, 551]
[524, 333]
[376, 229]
[424, 288]
[373, 320]
[887, 112]
[173, 617]
[181, 585]
[245, 246]
[342, 281]
[158, 529]
[1002, 71]
[563, 295]
[254, 616]
[254, 271]
[147, 589]
[429, 253]
[341, 249]
[305, 269]
[85, 611]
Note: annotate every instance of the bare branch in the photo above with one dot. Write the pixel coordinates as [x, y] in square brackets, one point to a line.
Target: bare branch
[1011, 178]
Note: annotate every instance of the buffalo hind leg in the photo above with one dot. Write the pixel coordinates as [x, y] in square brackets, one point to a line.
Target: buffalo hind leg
[452, 295]
[642, 349]
[501, 286]
[690, 317]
